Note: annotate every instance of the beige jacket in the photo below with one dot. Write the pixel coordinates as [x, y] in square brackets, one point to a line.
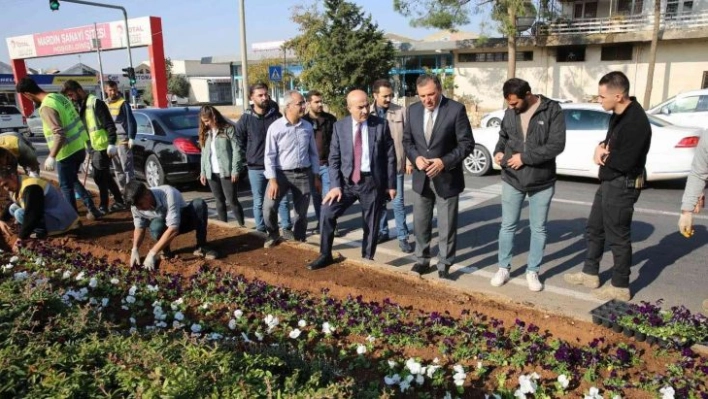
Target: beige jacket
[396, 117]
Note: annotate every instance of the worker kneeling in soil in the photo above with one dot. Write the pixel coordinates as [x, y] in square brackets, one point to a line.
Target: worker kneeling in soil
[23, 150]
[163, 210]
[37, 206]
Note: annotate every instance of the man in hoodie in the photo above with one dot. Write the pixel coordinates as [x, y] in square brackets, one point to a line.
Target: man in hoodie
[532, 135]
[126, 128]
[622, 157]
[251, 131]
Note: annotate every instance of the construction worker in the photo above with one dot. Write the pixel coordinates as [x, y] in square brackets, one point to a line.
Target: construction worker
[102, 135]
[66, 137]
[126, 128]
[23, 150]
[36, 205]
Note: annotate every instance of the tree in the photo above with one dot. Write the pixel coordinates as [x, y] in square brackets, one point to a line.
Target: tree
[340, 49]
[451, 14]
[178, 85]
[259, 72]
[652, 53]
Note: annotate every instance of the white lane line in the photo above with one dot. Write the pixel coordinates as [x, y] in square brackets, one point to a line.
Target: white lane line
[646, 211]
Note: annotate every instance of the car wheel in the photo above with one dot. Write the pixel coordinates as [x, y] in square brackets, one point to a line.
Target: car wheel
[154, 175]
[494, 122]
[478, 162]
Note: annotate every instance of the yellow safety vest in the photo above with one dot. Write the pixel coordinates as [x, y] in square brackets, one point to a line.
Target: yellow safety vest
[98, 135]
[74, 129]
[59, 215]
[11, 143]
[115, 107]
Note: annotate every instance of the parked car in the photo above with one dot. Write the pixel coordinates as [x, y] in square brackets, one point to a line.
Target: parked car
[166, 149]
[12, 120]
[670, 155]
[686, 109]
[493, 119]
[34, 124]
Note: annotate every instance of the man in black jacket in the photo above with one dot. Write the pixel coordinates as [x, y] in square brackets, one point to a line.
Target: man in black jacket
[621, 156]
[251, 131]
[532, 135]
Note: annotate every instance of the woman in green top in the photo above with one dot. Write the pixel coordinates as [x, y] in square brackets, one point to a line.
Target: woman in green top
[222, 161]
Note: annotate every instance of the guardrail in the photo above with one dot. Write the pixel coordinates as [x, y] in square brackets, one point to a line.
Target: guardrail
[628, 23]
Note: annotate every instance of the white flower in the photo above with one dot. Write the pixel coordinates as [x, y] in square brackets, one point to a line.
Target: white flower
[370, 339]
[161, 324]
[667, 392]
[7, 267]
[152, 288]
[563, 381]
[459, 376]
[238, 313]
[245, 338]
[175, 304]
[132, 320]
[39, 262]
[302, 323]
[215, 336]
[431, 370]
[133, 330]
[519, 394]
[80, 276]
[179, 316]
[14, 259]
[479, 365]
[259, 336]
[205, 305]
[93, 301]
[21, 276]
[93, 283]
[413, 366]
[271, 321]
[66, 275]
[176, 324]
[391, 364]
[593, 393]
[133, 290]
[527, 384]
[447, 395]
[404, 385]
[130, 299]
[104, 302]
[361, 349]
[393, 380]
[115, 281]
[295, 333]
[436, 361]
[232, 324]
[619, 397]
[420, 379]
[327, 328]
[196, 328]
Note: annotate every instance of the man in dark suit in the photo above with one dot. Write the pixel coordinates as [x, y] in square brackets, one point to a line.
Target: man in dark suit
[362, 166]
[437, 138]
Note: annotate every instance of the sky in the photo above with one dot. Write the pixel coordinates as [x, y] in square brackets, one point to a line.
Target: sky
[192, 29]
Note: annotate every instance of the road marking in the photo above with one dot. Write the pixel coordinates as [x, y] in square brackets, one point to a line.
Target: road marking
[646, 211]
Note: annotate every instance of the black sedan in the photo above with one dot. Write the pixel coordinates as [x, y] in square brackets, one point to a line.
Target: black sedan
[166, 149]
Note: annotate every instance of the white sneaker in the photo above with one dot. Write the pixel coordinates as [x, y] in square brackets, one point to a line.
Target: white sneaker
[533, 281]
[501, 277]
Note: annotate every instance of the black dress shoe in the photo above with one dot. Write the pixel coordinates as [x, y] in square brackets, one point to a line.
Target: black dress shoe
[405, 246]
[321, 262]
[444, 273]
[383, 238]
[420, 268]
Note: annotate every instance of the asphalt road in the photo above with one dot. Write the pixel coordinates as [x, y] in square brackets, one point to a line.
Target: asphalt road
[666, 265]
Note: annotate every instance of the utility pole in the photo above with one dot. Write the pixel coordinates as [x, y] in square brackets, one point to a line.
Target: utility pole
[97, 46]
[244, 60]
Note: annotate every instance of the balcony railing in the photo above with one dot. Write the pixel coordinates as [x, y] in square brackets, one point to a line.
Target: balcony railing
[627, 23]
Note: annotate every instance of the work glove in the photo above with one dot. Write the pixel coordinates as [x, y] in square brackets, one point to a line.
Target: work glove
[685, 224]
[130, 143]
[112, 150]
[33, 173]
[50, 164]
[149, 263]
[134, 257]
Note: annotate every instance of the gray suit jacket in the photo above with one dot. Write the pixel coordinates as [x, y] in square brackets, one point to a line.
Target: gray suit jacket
[381, 153]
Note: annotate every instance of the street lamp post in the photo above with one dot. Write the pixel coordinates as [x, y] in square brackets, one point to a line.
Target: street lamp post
[244, 60]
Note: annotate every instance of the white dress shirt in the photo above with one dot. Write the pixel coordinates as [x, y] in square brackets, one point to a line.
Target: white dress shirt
[365, 159]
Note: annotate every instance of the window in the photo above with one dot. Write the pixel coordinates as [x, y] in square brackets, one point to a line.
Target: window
[630, 7]
[496, 56]
[684, 104]
[617, 52]
[9, 110]
[687, 7]
[570, 54]
[584, 119]
[181, 121]
[144, 125]
[585, 10]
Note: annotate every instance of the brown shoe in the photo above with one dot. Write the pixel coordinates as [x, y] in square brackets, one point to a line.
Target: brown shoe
[609, 292]
[581, 278]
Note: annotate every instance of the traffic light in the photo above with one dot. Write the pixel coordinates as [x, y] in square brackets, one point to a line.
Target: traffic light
[54, 5]
[130, 74]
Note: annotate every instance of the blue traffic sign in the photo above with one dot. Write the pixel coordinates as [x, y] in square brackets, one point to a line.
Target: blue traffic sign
[275, 73]
[133, 92]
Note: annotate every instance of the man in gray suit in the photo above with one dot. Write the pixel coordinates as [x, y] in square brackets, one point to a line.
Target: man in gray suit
[362, 166]
[437, 138]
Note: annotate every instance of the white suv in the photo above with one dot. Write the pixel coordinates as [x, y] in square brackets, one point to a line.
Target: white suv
[686, 109]
[12, 120]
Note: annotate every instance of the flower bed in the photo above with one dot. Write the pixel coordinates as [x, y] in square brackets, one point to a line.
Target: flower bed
[77, 325]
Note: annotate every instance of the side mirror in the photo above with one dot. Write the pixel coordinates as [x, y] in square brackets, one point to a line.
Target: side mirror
[665, 110]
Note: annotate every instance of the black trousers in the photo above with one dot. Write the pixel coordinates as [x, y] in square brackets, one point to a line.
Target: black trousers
[103, 178]
[226, 193]
[371, 199]
[193, 217]
[611, 220]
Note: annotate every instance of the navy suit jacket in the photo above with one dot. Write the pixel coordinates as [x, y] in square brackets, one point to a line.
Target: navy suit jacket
[451, 141]
[382, 153]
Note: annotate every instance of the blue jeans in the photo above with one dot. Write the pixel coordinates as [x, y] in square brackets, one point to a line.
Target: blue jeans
[68, 171]
[399, 212]
[258, 188]
[317, 197]
[17, 212]
[512, 201]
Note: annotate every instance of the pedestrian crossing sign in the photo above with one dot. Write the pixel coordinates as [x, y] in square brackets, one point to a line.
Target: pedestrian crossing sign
[275, 73]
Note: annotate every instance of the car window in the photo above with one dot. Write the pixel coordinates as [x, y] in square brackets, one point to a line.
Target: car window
[684, 104]
[181, 121]
[702, 104]
[9, 110]
[144, 125]
[585, 119]
[654, 121]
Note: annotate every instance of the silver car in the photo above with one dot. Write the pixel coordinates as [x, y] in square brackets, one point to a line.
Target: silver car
[34, 123]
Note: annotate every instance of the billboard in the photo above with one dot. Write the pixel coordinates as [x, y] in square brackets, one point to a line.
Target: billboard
[111, 36]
